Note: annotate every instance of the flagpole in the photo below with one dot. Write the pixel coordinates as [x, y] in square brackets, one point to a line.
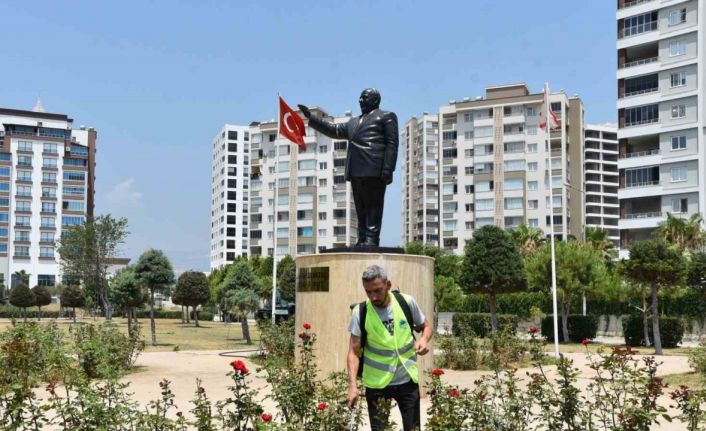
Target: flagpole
[551, 219]
[274, 213]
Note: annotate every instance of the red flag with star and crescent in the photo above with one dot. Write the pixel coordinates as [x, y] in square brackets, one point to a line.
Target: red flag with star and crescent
[291, 126]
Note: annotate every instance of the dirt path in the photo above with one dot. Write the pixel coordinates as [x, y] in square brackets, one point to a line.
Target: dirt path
[183, 368]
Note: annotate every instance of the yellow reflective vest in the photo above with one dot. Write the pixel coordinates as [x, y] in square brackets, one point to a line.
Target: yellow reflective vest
[383, 352]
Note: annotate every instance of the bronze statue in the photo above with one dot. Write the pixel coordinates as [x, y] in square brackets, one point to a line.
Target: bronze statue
[371, 157]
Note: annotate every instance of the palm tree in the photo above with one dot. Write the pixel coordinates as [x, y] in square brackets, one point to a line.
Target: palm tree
[686, 234]
[22, 276]
[597, 240]
[529, 239]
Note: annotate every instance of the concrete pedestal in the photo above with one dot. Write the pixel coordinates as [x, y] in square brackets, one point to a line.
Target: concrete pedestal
[329, 311]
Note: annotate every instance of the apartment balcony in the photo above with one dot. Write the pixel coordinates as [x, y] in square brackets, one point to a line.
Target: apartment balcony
[640, 220]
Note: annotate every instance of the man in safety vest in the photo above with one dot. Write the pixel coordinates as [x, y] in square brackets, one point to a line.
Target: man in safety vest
[386, 349]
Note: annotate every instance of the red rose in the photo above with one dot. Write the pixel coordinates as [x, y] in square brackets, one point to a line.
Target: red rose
[453, 393]
[307, 326]
[534, 330]
[180, 414]
[239, 366]
[437, 372]
[321, 407]
[585, 341]
[266, 418]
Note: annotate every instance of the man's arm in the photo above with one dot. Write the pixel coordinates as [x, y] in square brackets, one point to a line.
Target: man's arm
[421, 346]
[392, 140]
[354, 350]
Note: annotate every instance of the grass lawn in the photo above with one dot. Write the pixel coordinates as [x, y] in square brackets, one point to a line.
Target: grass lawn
[172, 334]
[692, 380]
[595, 347]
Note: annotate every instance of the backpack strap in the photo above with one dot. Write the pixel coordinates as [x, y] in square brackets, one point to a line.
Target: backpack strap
[406, 310]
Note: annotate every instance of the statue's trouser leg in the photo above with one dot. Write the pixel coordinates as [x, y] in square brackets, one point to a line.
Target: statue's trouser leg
[358, 189]
[371, 193]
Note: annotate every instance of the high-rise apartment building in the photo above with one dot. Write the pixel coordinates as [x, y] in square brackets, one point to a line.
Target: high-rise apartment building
[47, 183]
[230, 177]
[660, 105]
[601, 179]
[306, 189]
[420, 171]
[494, 166]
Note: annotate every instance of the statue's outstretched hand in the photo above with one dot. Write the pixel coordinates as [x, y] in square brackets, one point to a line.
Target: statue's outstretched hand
[305, 111]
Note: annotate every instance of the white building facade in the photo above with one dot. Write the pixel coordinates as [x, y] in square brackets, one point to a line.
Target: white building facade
[230, 179]
[601, 179]
[47, 178]
[660, 105]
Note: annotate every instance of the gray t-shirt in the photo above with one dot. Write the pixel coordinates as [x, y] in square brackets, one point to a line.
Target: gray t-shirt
[385, 314]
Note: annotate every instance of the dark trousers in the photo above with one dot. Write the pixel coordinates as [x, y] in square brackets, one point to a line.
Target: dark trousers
[407, 397]
[369, 199]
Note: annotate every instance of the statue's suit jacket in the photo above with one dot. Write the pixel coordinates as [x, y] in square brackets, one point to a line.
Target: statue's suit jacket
[372, 142]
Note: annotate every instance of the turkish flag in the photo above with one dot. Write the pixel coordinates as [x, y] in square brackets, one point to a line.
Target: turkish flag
[291, 125]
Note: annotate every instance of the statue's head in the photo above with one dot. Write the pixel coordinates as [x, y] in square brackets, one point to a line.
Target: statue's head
[369, 100]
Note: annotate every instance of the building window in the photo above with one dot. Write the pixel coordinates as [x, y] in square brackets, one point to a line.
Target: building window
[46, 237]
[72, 176]
[484, 186]
[556, 202]
[678, 143]
[3, 217]
[22, 251]
[468, 153]
[46, 251]
[19, 221]
[484, 221]
[49, 162]
[468, 117]
[484, 204]
[483, 132]
[531, 148]
[323, 166]
[339, 179]
[66, 220]
[513, 203]
[49, 177]
[23, 206]
[679, 111]
[677, 79]
[304, 165]
[532, 166]
[514, 184]
[305, 232]
[533, 222]
[3, 247]
[4, 187]
[680, 205]
[340, 145]
[640, 23]
[533, 204]
[46, 280]
[282, 232]
[21, 235]
[73, 205]
[339, 230]
[679, 174]
[514, 165]
[641, 115]
[24, 146]
[283, 200]
[468, 135]
[71, 191]
[532, 185]
[677, 47]
[24, 175]
[677, 16]
[3, 232]
[323, 199]
[283, 167]
[49, 148]
[24, 161]
[323, 149]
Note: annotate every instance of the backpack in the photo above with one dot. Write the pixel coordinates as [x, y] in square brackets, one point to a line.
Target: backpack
[362, 312]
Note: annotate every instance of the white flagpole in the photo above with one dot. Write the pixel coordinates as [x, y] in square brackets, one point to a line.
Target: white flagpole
[274, 217]
[551, 219]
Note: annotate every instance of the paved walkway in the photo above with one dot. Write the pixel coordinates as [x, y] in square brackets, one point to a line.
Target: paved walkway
[183, 368]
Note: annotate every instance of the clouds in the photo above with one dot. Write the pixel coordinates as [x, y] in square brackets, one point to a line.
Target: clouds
[124, 195]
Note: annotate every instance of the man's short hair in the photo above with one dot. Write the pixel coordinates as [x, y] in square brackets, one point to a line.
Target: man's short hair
[374, 272]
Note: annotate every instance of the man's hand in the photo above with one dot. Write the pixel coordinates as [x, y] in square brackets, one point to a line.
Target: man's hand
[305, 111]
[387, 178]
[352, 396]
[421, 347]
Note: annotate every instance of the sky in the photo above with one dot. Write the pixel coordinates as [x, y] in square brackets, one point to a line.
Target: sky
[158, 79]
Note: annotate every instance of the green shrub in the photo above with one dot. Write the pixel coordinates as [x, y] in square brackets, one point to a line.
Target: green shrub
[15, 313]
[697, 359]
[580, 327]
[204, 315]
[30, 353]
[671, 330]
[103, 351]
[479, 323]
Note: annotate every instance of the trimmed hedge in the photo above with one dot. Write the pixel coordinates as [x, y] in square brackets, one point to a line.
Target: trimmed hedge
[671, 330]
[479, 323]
[580, 327]
[204, 315]
[685, 303]
[9, 313]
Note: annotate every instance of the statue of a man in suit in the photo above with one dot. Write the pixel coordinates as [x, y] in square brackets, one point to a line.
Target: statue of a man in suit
[373, 139]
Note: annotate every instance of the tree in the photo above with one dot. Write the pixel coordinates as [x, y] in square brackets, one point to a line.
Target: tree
[697, 273]
[287, 277]
[21, 297]
[86, 250]
[42, 297]
[492, 265]
[3, 290]
[529, 239]
[579, 271]
[238, 294]
[447, 296]
[72, 297]
[126, 293]
[192, 290]
[656, 264]
[154, 272]
[22, 276]
[597, 240]
[686, 234]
